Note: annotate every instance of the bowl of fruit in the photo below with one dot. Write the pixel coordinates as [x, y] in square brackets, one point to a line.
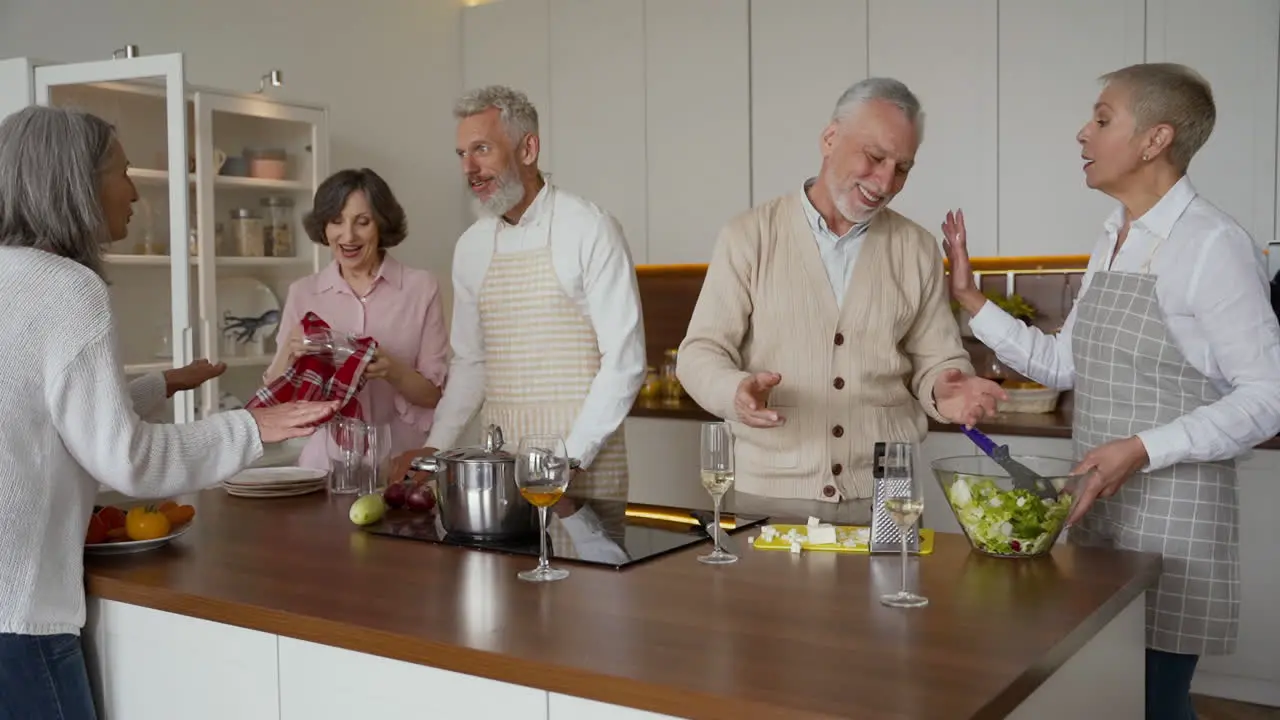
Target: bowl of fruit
[126, 528]
[1001, 519]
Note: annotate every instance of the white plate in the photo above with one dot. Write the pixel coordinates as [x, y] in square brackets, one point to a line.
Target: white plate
[268, 477]
[133, 546]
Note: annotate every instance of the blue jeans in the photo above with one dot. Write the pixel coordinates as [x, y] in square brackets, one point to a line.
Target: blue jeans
[1169, 685]
[44, 677]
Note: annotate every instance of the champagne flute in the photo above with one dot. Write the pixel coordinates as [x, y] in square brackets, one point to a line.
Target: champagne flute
[717, 478]
[542, 474]
[903, 501]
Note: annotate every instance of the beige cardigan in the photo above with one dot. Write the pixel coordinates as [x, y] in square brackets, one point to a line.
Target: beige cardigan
[850, 377]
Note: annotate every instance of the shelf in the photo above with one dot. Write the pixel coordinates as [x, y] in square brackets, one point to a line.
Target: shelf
[149, 177]
[144, 368]
[231, 261]
[247, 360]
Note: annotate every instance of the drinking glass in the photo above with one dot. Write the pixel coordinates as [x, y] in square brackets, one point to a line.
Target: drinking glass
[542, 474]
[717, 478]
[903, 501]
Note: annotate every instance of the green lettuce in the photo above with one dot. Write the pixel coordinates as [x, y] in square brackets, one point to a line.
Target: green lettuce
[1006, 522]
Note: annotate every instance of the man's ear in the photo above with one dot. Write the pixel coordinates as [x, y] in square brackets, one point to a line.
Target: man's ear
[530, 147]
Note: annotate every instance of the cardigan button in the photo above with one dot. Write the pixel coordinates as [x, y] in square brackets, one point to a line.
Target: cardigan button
[837, 469]
[838, 383]
[838, 431]
[839, 338]
[829, 491]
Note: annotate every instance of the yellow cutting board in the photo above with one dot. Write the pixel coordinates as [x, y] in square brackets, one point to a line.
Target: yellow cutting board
[849, 539]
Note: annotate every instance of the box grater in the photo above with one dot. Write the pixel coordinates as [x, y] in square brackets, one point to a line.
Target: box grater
[885, 535]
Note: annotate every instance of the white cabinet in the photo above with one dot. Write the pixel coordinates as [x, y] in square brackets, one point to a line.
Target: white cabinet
[698, 120]
[318, 682]
[915, 42]
[1251, 674]
[663, 457]
[1051, 54]
[508, 43]
[803, 56]
[598, 127]
[568, 707]
[146, 664]
[1235, 45]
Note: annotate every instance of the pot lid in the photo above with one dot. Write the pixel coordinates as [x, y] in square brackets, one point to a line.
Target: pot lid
[491, 451]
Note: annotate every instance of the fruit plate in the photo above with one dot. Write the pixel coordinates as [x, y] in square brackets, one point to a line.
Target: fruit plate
[132, 546]
[849, 539]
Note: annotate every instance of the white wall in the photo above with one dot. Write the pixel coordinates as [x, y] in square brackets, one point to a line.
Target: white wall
[387, 72]
[724, 101]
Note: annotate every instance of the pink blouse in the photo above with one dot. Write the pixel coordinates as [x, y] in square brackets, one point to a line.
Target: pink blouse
[405, 314]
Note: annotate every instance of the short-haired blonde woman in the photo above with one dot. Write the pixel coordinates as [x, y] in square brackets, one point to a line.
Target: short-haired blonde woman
[1174, 354]
[70, 419]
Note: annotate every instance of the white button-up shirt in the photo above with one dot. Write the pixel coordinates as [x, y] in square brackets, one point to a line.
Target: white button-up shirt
[839, 252]
[594, 266]
[1212, 287]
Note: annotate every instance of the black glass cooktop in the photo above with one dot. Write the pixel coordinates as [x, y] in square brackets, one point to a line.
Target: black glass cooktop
[602, 533]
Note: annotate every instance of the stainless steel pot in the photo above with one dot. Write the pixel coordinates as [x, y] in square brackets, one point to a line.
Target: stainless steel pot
[476, 491]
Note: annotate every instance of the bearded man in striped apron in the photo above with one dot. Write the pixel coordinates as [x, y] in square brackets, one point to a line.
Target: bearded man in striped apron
[1174, 354]
[547, 332]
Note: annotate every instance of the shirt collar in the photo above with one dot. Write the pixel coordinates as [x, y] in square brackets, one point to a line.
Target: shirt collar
[391, 271]
[1160, 219]
[818, 223]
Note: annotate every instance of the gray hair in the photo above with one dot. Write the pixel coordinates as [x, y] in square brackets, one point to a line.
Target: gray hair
[518, 115]
[881, 88]
[1173, 94]
[50, 161]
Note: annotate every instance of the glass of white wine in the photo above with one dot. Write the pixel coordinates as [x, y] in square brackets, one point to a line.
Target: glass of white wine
[542, 474]
[717, 478]
[903, 501]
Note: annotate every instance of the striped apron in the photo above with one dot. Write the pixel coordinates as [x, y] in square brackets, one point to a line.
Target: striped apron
[541, 355]
[1130, 377]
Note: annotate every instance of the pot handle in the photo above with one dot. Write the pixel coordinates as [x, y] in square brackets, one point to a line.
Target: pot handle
[425, 464]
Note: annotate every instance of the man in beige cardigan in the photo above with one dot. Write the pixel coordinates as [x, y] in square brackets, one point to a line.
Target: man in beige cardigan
[824, 324]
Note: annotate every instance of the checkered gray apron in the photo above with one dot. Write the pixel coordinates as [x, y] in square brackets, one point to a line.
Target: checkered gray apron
[1129, 378]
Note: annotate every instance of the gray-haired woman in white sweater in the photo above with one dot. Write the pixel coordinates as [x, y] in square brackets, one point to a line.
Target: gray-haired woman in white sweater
[68, 420]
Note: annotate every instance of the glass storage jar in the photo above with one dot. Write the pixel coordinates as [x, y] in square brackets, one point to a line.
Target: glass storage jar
[246, 233]
[672, 391]
[278, 226]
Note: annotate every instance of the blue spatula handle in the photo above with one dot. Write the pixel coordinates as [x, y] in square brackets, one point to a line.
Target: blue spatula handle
[984, 443]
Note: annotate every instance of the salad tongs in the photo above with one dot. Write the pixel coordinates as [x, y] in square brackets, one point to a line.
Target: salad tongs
[1024, 478]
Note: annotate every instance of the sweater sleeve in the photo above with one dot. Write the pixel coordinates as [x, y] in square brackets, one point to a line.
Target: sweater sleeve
[933, 341]
[147, 394]
[94, 416]
[709, 362]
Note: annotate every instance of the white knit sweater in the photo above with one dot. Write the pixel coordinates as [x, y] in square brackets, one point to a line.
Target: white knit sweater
[67, 421]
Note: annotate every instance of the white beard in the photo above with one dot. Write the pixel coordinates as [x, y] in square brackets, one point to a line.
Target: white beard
[508, 192]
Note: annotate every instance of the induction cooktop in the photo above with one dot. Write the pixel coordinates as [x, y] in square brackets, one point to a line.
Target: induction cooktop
[606, 533]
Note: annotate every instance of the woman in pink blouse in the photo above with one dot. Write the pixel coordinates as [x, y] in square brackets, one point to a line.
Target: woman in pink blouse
[365, 291]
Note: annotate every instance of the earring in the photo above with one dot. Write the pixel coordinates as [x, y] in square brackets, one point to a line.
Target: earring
[1145, 157]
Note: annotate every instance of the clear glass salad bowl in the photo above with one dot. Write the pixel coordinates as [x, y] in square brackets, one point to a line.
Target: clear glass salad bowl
[999, 520]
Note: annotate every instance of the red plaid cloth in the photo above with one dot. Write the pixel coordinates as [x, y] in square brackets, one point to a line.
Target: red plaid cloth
[315, 376]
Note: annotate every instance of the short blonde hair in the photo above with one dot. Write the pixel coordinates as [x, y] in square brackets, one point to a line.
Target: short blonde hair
[1171, 94]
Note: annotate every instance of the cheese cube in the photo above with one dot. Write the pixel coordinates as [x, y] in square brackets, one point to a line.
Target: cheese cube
[822, 535]
[814, 522]
[795, 547]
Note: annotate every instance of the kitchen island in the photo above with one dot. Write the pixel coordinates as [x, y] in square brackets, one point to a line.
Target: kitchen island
[282, 609]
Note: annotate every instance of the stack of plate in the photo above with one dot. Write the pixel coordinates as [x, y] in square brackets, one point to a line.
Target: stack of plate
[274, 482]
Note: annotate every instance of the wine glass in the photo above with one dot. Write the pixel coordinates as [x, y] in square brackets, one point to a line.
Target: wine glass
[717, 478]
[903, 501]
[542, 474]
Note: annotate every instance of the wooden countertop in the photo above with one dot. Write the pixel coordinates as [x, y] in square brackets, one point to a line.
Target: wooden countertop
[1056, 424]
[773, 636]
